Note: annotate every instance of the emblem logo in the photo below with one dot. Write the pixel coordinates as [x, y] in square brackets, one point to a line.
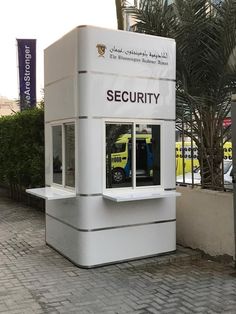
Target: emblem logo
[101, 49]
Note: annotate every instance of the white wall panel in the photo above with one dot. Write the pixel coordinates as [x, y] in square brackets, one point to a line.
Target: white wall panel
[168, 154]
[60, 100]
[60, 59]
[125, 53]
[92, 212]
[90, 159]
[100, 247]
[113, 96]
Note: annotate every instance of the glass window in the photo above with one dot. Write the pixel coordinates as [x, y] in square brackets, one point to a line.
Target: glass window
[145, 149]
[57, 153]
[118, 155]
[148, 163]
[70, 155]
[118, 148]
[63, 151]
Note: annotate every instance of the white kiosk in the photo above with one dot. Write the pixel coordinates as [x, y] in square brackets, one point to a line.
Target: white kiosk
[110, 146]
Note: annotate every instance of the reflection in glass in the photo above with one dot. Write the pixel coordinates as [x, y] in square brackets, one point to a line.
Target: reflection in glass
[70, 155]
[57, 153]
[118, 155]
[148, 155]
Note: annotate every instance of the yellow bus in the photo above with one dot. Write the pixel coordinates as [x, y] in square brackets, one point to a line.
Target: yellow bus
[121, 157]
[187, 153]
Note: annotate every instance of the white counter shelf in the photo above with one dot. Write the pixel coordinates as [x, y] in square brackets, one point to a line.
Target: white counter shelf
[51, 193]
[136, 195]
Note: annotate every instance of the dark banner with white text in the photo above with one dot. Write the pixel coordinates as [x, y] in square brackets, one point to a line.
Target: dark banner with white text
[27, 72]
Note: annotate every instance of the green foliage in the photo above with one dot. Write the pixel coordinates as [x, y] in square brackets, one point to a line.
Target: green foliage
[205, 35]
[22, 150]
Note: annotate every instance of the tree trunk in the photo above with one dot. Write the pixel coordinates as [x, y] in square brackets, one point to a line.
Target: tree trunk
[119, 15]
[211, 157]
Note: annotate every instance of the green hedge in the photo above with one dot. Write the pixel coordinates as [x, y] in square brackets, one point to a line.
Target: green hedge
[22, 151]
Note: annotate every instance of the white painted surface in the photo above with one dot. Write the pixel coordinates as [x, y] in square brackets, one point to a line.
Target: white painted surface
[60, 59]
[92, 93]
[92, 212]
[168, 155]
[130, 229]
[129, 196]
[107, 246]
[51, 193]
[90, 160]
[61, 96]
[127, 45]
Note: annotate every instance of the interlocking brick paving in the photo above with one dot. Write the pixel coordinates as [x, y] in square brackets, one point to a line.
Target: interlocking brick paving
[36, 279]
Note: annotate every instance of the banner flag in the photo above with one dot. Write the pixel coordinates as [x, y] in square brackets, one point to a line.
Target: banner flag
[27, 72]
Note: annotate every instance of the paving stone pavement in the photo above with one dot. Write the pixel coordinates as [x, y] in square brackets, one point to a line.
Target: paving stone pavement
[36, 279]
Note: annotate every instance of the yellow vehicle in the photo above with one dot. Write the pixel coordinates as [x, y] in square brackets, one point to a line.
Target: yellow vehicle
[185, 156]
[228, 151]
[187, 153]
[121, 157]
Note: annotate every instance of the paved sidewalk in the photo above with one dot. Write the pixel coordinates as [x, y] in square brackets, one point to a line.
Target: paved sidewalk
[36, 279]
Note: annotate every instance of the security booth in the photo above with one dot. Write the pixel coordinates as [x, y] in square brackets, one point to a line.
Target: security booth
[110, 146]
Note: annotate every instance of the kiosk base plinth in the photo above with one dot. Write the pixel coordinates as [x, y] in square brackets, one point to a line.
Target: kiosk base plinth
[91, 248]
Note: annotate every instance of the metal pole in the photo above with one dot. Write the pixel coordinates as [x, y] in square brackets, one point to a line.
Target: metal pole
[183, 151]
[233, 118]
[202, 147]
[222, 158]
[191, 130]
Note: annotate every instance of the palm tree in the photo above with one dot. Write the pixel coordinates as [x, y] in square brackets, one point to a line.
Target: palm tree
[205, 35]
[119, 14]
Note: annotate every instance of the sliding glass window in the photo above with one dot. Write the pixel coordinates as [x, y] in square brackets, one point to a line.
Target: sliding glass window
[119, 141]
[57, 153]
[133, 155]
[148, 154]
[63, 153]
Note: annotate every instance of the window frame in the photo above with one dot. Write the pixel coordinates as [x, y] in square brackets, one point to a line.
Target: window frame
[62, 124]
[133, 122]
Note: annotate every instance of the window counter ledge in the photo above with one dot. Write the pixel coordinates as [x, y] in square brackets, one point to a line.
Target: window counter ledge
[51, 193]
[124, 196]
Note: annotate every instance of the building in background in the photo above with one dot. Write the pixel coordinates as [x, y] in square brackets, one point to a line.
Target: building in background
[129, 14]
[8, 106]
[129, 19]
